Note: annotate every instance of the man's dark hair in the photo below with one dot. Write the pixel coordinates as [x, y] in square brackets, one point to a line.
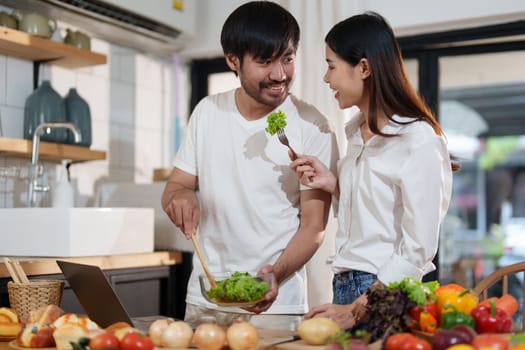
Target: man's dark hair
[262, 28]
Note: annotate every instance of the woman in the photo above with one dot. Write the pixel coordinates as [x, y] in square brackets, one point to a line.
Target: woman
[394, 184]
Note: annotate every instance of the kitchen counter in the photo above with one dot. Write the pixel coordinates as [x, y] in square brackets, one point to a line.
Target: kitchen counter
[48, 266]
[159, 277]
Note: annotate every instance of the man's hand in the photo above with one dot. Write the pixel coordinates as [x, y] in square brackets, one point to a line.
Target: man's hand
[270, 296]
[180, 202]
[183, 210]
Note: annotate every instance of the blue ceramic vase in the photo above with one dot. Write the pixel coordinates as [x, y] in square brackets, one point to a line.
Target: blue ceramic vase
[44, 105]
[78, 113]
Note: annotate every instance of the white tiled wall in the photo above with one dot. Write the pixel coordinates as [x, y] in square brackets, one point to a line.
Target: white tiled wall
[132, 119]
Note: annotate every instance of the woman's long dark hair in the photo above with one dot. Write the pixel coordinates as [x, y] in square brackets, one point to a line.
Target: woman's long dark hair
[369, 36]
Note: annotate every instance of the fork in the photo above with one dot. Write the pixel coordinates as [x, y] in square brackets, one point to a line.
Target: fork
[284, 140]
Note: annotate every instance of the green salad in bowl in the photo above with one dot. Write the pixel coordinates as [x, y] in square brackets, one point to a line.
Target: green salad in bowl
[239, 289]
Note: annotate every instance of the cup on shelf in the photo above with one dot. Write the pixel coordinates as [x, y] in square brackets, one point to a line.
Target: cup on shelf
[77, 39]
[7, 20]
[35, 23]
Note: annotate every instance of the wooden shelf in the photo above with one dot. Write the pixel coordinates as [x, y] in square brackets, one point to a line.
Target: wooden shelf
[48, 151]
[25, 46]
[29, 47]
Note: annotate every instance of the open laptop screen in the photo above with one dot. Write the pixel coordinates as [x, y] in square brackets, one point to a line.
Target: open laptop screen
[94, 292]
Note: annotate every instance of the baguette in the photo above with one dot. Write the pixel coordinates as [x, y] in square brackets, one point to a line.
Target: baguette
[10, 325]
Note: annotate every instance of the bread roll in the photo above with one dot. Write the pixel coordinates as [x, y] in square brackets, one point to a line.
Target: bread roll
[70, 328]
[35, 335]
[45, 315]
[81, 321]
[112, 328]
[8, 315]
[68, 333]
[10, 329]
[10, 324]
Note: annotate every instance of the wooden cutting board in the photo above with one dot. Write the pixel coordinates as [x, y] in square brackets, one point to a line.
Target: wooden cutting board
[269, 338]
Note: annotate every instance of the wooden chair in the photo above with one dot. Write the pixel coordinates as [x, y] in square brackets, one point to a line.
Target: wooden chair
[502, 275]
[465, 272]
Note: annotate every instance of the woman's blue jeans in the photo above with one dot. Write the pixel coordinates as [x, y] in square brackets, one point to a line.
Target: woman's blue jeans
[348, 286]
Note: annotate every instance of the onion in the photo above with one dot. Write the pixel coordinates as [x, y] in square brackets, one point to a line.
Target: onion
[157, 328]
[242, 336]
[209, 336]
[178, 334]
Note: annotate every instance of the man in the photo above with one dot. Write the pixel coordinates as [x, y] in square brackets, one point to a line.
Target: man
[251, 212]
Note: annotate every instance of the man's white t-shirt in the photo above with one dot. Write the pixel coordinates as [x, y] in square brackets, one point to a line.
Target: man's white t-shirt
[249, 196]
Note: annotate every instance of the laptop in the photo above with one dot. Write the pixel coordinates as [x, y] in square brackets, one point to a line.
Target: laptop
[97, 297]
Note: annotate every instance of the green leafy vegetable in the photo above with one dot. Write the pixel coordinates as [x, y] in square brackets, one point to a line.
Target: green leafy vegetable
[388, 306]
[417, 291]
[387, 312]
[240, 287]
[276, 122]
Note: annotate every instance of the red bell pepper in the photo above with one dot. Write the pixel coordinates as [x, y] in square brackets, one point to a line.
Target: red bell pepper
[490, 319]
[430, 307]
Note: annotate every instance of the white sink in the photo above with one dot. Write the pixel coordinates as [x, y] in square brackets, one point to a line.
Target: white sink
[68, 232]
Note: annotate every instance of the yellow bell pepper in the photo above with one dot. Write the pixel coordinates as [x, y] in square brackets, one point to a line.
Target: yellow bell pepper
[463, 299]
[461, 347]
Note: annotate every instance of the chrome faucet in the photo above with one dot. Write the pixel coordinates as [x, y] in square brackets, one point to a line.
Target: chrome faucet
[34, 186]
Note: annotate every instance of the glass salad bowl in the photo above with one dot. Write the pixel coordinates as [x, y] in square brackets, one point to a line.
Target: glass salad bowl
[235, 289]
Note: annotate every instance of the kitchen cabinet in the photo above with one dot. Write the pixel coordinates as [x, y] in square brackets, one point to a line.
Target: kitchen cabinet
[142, 291]
[146, 284]
[41, 50]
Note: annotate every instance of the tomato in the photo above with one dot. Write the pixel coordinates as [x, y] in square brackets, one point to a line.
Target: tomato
[490, 341]
[136, 341]
[395, 341]
[104, 341]
[415, 343]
